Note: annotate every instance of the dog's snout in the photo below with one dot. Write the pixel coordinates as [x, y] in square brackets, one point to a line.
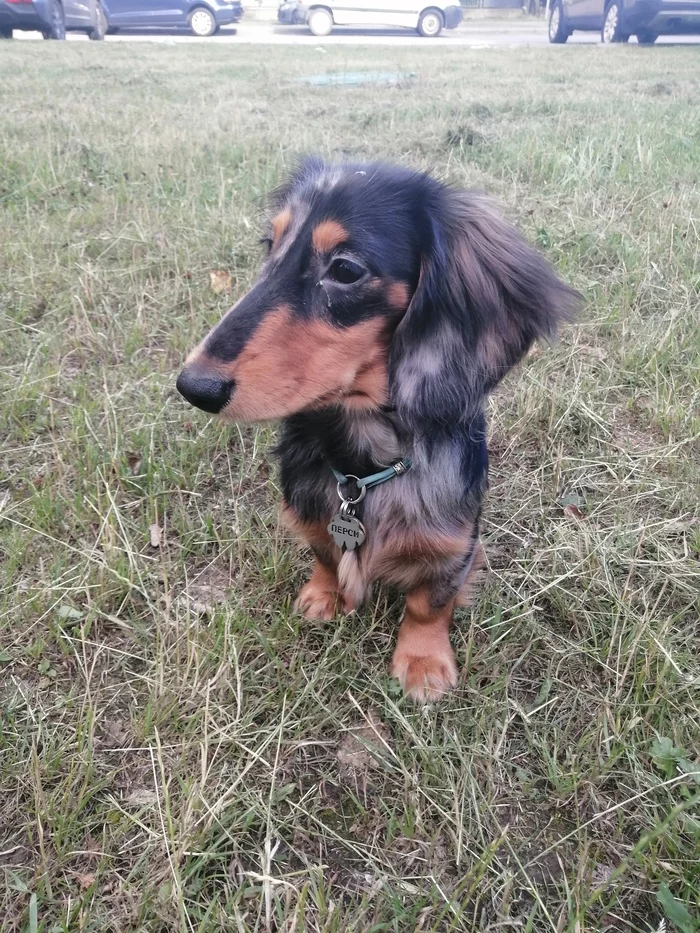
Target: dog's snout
[210, 393]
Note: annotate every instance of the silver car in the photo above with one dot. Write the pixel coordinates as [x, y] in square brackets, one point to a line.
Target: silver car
[427, 17]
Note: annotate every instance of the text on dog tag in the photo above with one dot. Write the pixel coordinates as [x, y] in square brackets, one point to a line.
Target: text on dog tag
[348, 533]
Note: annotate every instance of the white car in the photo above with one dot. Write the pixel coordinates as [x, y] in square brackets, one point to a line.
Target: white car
[322, 15]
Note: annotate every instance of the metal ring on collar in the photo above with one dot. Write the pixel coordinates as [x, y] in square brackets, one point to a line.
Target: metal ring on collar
[347, 510]
[363, 490]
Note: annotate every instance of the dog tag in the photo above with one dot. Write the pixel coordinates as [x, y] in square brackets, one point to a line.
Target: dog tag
[347, 532]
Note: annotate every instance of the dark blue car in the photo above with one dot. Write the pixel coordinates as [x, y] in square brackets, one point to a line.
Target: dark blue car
[618, 20]
[52, 17]
[202, 17]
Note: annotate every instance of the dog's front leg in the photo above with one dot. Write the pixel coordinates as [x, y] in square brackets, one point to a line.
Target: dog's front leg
[423, 661]
[322, 596]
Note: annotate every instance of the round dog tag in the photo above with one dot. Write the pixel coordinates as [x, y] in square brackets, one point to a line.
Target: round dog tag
[348, 532]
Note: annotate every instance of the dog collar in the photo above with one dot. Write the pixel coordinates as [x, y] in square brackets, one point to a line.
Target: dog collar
[347, 531]
[374, 479]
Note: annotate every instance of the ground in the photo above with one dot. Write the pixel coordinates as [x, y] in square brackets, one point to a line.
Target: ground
[178, 750]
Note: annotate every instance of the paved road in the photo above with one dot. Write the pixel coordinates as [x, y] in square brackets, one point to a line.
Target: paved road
[476, 36]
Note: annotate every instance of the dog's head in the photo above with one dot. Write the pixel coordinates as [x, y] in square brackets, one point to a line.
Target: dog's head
[381, 287]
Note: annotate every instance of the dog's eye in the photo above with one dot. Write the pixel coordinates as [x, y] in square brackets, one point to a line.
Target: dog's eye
[345, 271]
[266, 241]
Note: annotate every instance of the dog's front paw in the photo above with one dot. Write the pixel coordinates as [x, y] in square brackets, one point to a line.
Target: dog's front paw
[316, 602]
[425, 678]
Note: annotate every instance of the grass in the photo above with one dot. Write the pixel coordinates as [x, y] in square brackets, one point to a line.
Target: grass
[178, 751]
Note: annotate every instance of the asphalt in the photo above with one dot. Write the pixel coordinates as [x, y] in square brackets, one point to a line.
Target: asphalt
[476, 36]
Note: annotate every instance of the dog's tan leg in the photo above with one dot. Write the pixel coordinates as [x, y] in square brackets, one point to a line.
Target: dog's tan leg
[423, 662]
[320, 597]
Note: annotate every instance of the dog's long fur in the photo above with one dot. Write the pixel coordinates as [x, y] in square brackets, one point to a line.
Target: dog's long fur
[396, 363]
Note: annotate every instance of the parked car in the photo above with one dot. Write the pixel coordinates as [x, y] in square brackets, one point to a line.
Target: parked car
[52, 17]
[617, 20]
[428, 18]
[202, 17]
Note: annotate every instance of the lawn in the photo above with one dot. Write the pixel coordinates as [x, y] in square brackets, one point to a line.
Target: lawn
[178, 750]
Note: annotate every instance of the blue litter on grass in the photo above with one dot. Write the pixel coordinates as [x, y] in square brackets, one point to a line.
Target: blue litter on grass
[359, 77]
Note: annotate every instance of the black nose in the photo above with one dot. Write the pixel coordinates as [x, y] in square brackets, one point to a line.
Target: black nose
[210, 393]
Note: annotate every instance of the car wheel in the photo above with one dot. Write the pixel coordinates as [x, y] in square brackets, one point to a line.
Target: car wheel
[112, 30]
[647, 38]
[612, 24]
[430, 24]
[202, 22]
[99, 30]
[57, 20]
[320, 22]
[5, 33]
[557, 29]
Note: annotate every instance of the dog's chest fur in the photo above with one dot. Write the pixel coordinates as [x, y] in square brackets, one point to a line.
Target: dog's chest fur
[423, 516]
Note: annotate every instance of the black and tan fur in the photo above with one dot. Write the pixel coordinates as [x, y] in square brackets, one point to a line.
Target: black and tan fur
[388, 307]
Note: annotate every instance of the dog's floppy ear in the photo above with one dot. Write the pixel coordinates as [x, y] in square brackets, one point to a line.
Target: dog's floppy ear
[483, 297]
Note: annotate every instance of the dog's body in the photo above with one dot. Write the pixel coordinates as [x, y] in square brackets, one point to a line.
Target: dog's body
[389, 306]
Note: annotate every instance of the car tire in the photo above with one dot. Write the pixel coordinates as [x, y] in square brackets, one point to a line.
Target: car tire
[320, 22]
[57, 19]
[647, 38]
[112, 30]
[99, 30]
[202, 22]
[430, 24]
[612, 24]
[556, 27]
[5, 33]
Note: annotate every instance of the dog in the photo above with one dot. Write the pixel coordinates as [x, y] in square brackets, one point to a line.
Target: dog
[387, 308]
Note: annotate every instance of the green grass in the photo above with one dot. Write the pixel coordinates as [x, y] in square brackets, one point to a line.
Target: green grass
[176, 747]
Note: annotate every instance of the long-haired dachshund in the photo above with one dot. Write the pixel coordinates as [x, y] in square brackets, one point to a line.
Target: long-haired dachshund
[387, 308]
